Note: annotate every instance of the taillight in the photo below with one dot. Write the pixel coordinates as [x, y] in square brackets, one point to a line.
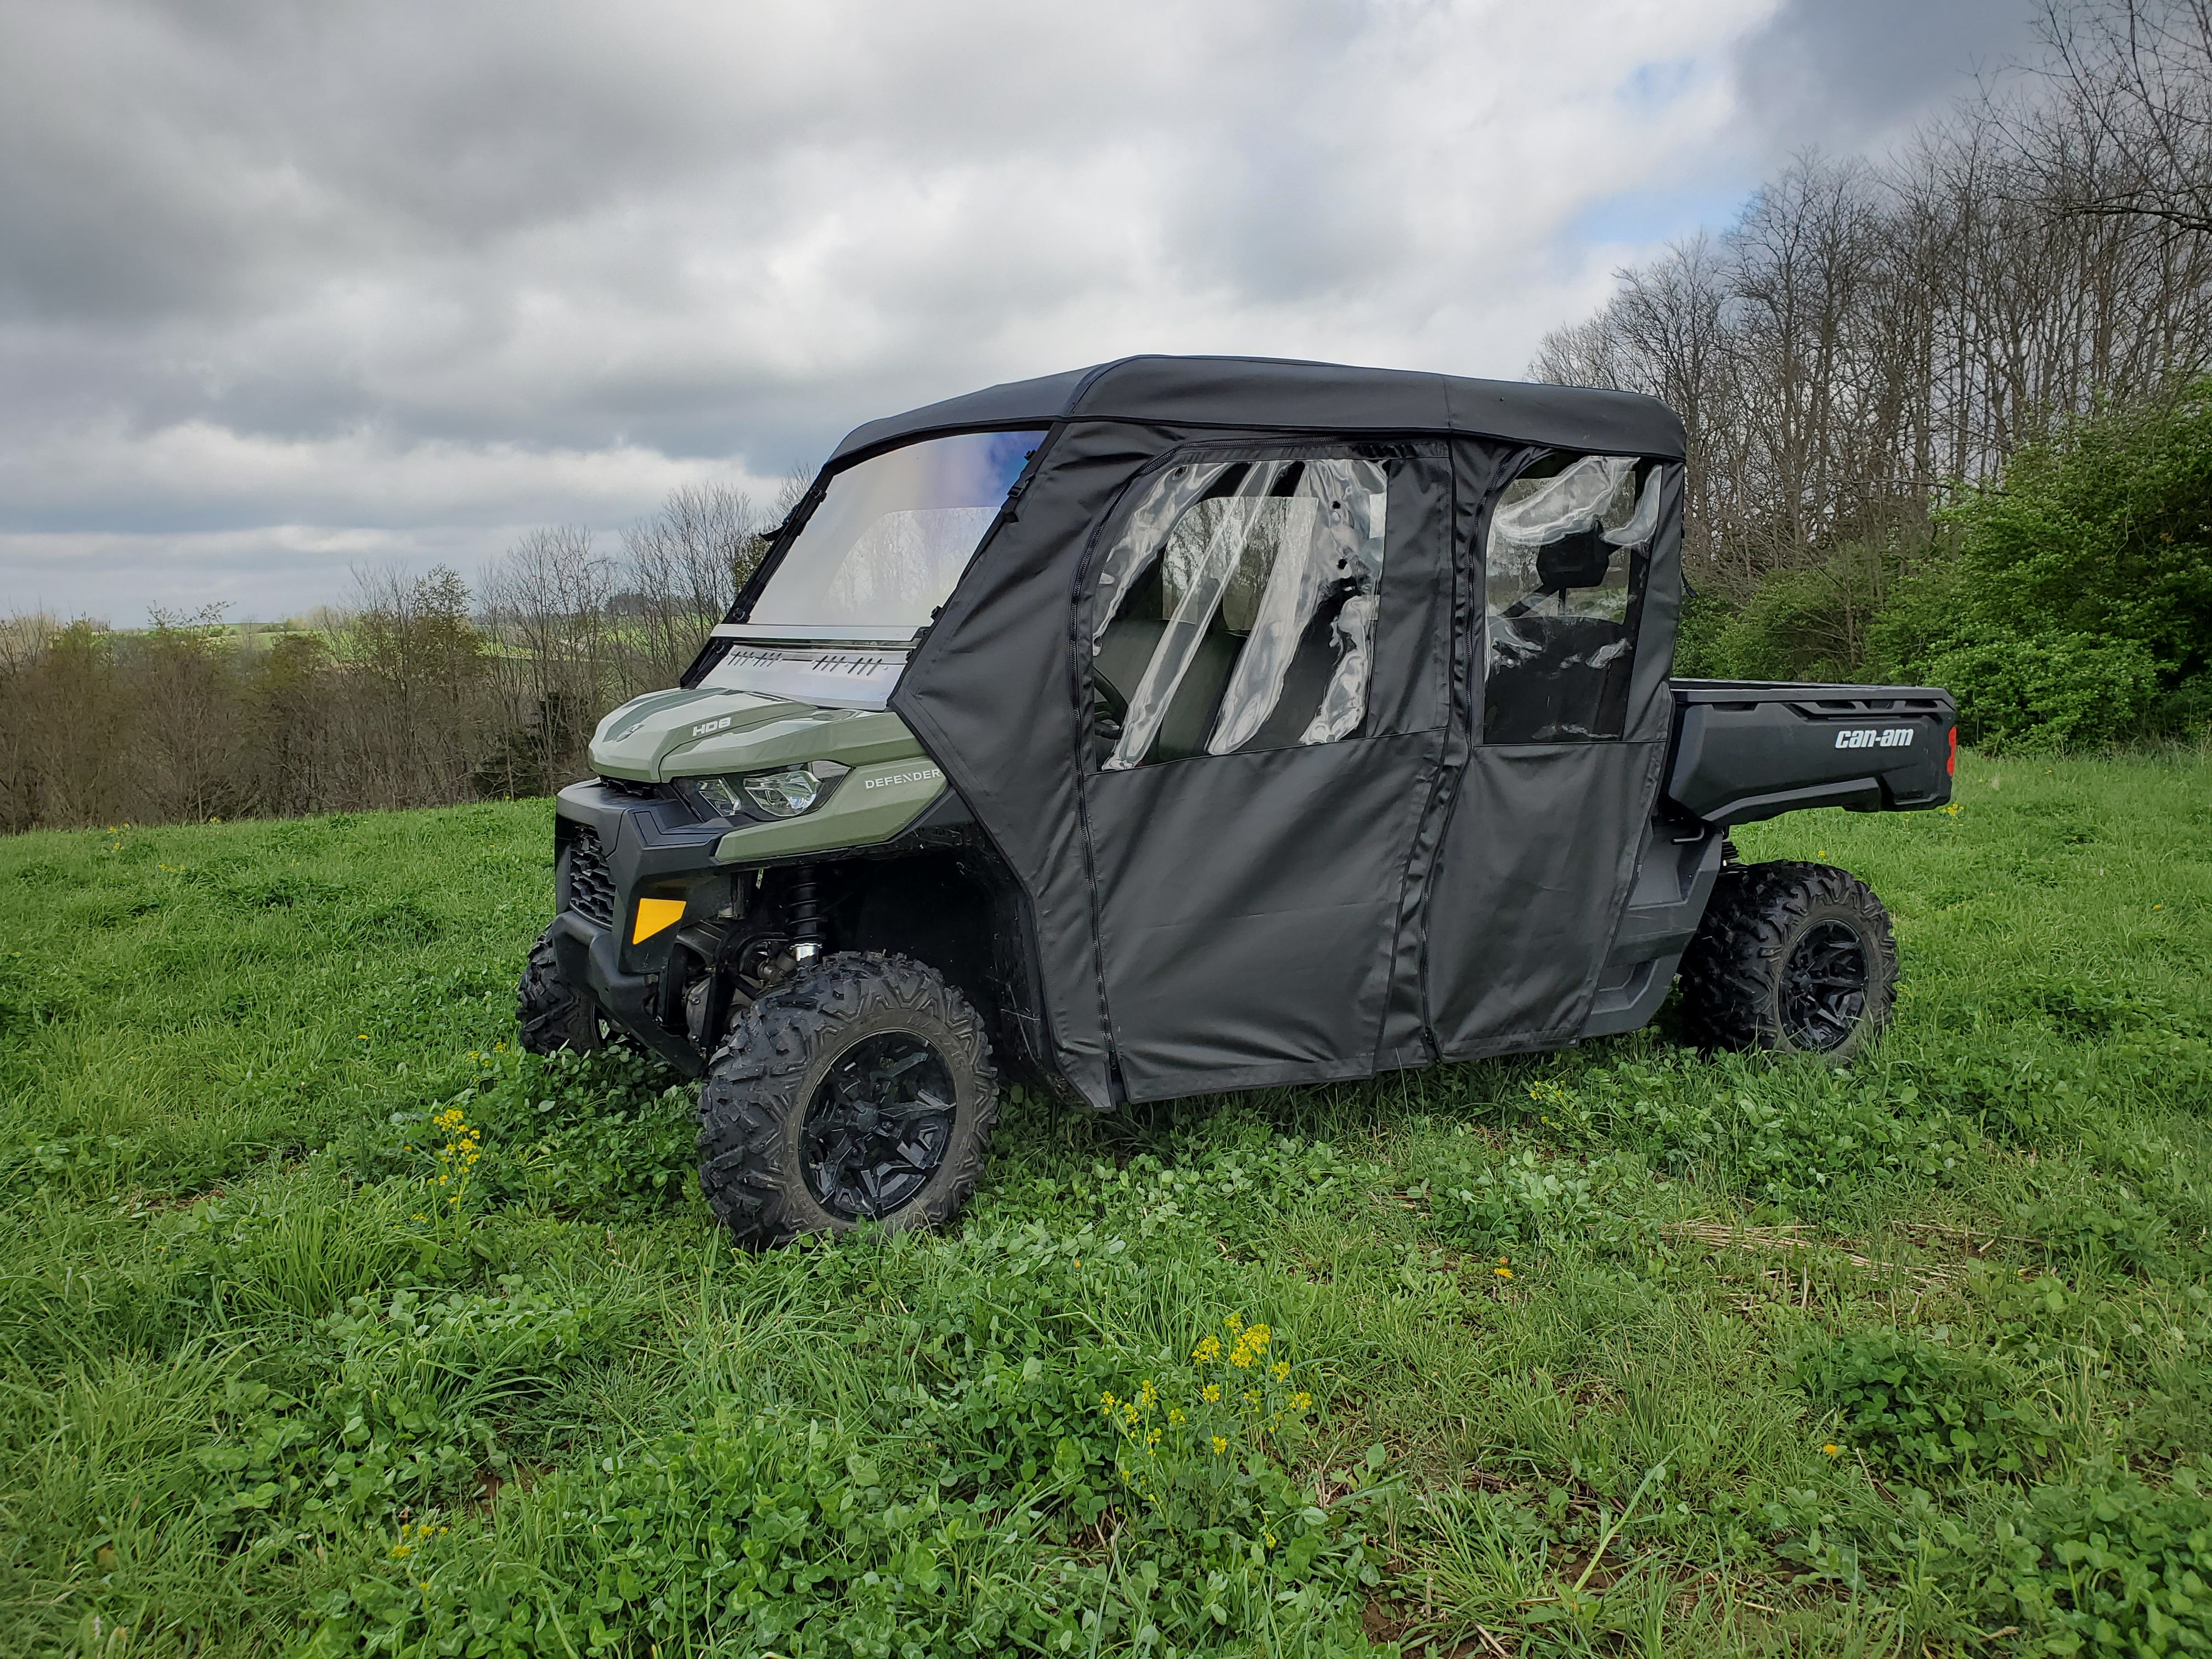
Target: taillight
[1951, 762]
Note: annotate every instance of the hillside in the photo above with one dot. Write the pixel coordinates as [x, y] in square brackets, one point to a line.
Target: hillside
[328, 1317]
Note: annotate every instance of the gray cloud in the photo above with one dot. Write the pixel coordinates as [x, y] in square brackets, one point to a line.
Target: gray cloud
[1847, 76]
[286, 285]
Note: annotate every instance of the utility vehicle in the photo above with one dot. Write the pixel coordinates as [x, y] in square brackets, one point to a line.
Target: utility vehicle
[1187, 724]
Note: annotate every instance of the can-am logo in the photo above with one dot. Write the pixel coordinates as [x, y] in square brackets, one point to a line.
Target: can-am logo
[926, 775]
[705, 727]
[1869, 737]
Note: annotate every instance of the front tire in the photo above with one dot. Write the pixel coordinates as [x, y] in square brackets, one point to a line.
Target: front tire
[552, 1013]
[1793, 957]
[860, 1090]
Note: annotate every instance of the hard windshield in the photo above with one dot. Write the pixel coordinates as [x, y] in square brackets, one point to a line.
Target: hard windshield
[891, 536]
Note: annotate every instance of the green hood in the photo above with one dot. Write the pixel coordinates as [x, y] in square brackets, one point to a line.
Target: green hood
[691, 734]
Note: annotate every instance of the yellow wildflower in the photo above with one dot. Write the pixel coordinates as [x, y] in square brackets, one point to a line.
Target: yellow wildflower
[1503, 1273]
[1833, 1450]
[1282, 1369]
[1220, 1444]
[1213, 1393]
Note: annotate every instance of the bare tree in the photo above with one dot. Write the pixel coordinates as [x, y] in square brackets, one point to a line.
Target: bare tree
[681, 569]
[547, 604]
[2135, 77]
[417, 665]
[189, 764]
[792, 491]
[1865, 337]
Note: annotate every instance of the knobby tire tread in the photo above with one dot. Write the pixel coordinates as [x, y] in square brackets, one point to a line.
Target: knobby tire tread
[1731, 971]
[549, 1012]
[750, 1097]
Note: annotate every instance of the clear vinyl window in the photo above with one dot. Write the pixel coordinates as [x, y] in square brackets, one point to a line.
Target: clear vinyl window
[1236, 609]
[1564, 571]
[891, 536]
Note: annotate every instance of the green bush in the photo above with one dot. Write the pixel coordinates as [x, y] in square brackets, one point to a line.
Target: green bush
[2048, 690]
[2079, 604]
[2067, 602]
[2103, 530]
[1698, 653]
[1811, 623]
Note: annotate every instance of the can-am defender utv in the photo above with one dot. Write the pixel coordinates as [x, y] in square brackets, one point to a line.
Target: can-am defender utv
[1191, 724]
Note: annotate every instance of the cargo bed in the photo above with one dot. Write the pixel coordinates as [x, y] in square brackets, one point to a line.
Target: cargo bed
[1746, 749]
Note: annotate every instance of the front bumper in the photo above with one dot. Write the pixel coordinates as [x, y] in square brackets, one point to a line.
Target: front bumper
[591, 959]
[618, 846]
[611, 849]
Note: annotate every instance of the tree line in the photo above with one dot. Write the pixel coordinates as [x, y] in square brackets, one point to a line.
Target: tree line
[1949, 421]
[420, 691]
[1947, 411]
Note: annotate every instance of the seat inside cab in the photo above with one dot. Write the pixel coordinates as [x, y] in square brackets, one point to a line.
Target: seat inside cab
[1127, 646]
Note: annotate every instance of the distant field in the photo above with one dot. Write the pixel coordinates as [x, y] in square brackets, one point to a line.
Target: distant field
[1615, 1351]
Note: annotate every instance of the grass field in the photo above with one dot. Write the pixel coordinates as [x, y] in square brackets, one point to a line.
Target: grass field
[327, 1320]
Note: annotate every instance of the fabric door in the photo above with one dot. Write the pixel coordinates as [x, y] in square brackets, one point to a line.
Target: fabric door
[1568, 644]
[1267, 669]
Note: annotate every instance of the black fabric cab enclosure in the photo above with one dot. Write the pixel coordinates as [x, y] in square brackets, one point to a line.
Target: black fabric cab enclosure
[1319, 712]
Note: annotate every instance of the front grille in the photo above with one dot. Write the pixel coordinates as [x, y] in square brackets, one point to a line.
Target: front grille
[591, 888]
[632, 788]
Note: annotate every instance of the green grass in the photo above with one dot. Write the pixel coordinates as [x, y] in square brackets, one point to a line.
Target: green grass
[264, 1382]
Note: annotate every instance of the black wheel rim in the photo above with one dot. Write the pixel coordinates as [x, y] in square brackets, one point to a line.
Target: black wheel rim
[1824, 988]
[877, 1127]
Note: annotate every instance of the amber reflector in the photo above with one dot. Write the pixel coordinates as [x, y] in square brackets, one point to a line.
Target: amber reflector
[652, 915]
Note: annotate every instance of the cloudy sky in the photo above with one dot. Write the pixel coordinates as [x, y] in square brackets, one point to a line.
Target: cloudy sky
[288, 288]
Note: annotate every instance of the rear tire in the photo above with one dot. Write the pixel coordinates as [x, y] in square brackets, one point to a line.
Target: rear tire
[1793, 957]
[553, 1014]
[860, 1090]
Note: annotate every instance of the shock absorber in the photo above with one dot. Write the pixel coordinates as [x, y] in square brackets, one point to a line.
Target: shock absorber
[805, 914]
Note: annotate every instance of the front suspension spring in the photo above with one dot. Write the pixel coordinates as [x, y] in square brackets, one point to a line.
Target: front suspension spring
[804, 913]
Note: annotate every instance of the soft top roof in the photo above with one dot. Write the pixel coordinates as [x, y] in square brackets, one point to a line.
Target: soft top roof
[1279, 393]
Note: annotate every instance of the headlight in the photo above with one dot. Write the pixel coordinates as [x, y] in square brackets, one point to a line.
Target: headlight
[783, 795]
[720, 795]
